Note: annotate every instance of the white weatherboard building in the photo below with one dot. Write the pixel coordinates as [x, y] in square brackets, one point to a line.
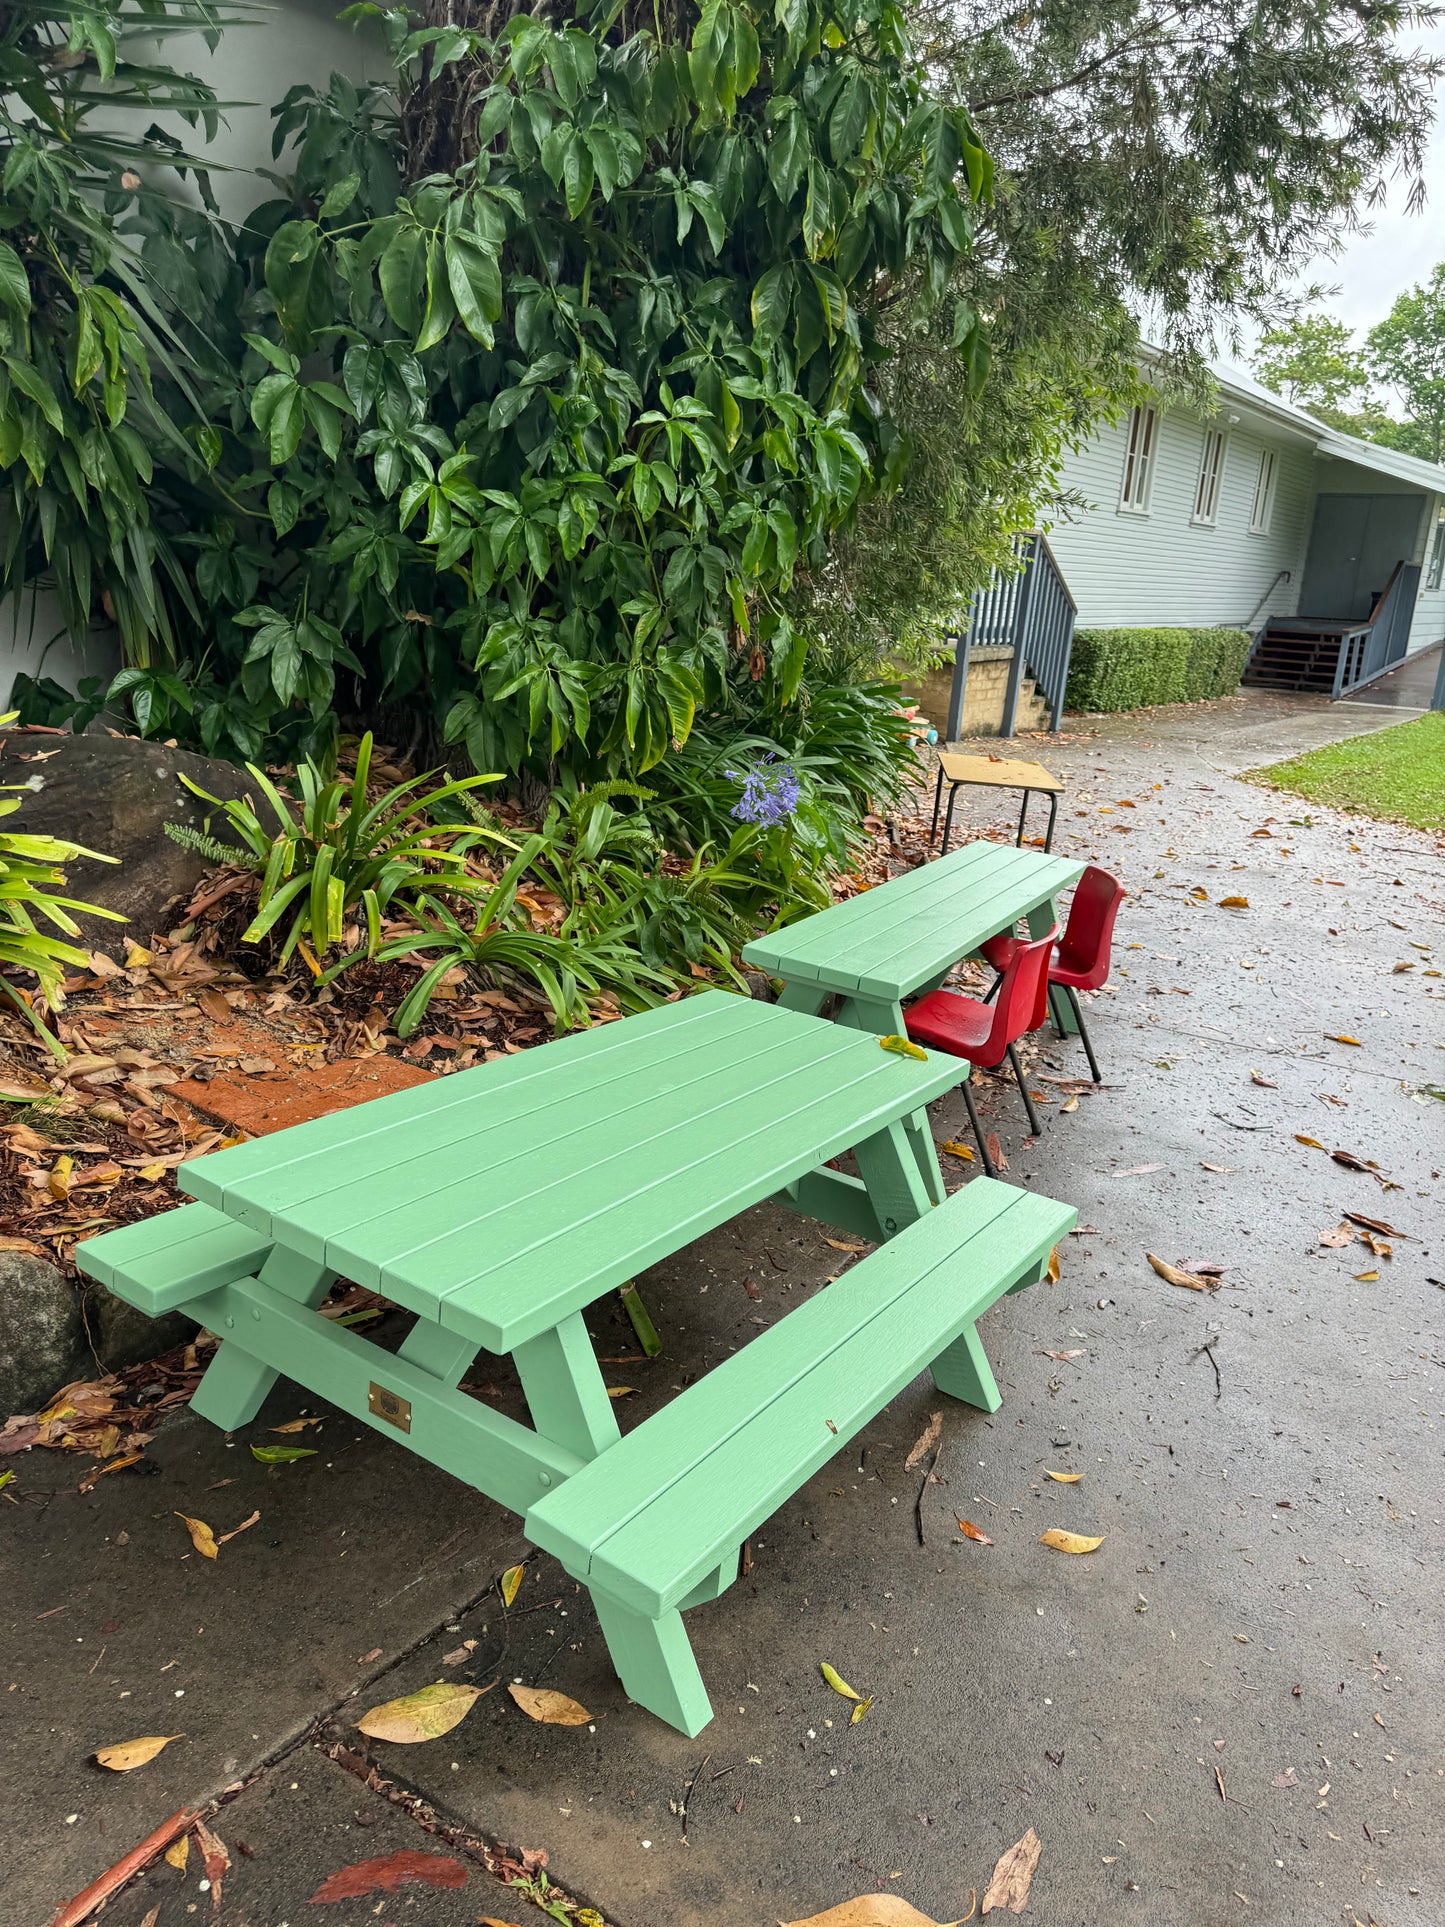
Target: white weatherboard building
[1258, 517]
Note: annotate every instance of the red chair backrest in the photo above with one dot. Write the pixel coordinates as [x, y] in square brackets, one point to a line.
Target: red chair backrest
[1089, 932]
[1023, 997]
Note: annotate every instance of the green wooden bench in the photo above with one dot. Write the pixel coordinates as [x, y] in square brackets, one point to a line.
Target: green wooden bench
[654, 1524]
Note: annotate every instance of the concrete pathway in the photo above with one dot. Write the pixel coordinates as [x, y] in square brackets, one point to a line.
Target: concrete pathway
[1230, 1712]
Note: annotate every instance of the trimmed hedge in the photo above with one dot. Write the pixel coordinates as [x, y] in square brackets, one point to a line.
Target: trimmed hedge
[1134, 668]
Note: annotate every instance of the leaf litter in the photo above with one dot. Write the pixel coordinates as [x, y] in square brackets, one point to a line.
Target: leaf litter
[421, 1716]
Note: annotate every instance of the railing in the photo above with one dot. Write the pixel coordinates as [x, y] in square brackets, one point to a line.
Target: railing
[1028, 609]
[1377, 645]
[1280, 575]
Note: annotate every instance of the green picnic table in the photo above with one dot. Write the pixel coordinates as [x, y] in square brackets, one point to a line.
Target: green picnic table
[498, 1203]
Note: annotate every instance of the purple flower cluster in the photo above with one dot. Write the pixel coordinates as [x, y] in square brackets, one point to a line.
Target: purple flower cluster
[770, 791]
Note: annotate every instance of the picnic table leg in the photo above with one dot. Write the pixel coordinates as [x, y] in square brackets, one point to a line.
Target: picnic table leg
[963, 1371]
[807, 998]
[889, 1165]
[886, 1020]
[565, 1393]
[234, 1385]
[1041, 921]
[654, 1660]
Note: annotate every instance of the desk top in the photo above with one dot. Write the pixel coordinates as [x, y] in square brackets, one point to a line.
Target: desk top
[998, 772]
[501, 1199]
[887, 941]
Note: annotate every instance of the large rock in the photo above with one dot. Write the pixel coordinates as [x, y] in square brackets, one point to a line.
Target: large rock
[53, 1331]
[115, 794]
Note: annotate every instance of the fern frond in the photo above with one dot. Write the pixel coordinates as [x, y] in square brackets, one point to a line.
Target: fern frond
[210, 847]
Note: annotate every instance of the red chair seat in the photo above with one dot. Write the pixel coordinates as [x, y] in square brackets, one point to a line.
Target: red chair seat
[1000, 951]
[947, 1021]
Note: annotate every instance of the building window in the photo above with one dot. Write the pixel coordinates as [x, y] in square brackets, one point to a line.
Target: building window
[1139, 461]
[1437, 555]
[1264, 492]
[1211, 467]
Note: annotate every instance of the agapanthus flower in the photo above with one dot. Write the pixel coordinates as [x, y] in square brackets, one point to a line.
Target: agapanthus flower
[770, 791]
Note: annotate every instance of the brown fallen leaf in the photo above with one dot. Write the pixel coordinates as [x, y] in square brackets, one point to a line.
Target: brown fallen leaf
[215, 1006]
[215, 1858]
[1288, 1778]
[1013, 1876]
[1219, 1782]
[1265, 1083]
[421, 1716]
[459, 1654]
[1376, 1224]
[1136, 1170]
[1063, 1357]
[387, 1873]
[1343, 1234]
[245, 1526]
[1063, 1478]
[1223, 1169]
[1069, 1541]
[130, 1754]
[549, 1708]
[869, 1910]
[1174, 1275]
[1312, 1142]
[202, 1538]
[296, 1425]
[995, 1152]
[925, 1442]
[839, 1244]
[971, 1531]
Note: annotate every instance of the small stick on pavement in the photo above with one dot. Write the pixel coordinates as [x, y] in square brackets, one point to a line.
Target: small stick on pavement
[130, 1864]
[1207, 1351]
[930, 1477]
[687, 1793]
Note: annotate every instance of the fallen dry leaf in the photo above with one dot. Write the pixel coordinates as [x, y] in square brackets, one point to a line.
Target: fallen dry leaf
[202, 1538]
[1063, 1478]
[1069, 1541]
[1013, 1875]
[179, 1852]
[421, 1716]
[971, 1531]
[1376, 1224]
[245, 1526]
[509, 1584]
[406, 1868]
[839, 1245]
[1266, 1083]
[1223, 1169]
[1053, 1270]
[1062, 1358]
[549, 1708]
[925, 1441]
[294, 1424]
[1343, 1234]
[1070, 1104]
[130, 1754]
[1136, 1170]
[1343, 1037]
[869, 1910]
[1312, 1142]
[957, 1150]
[1234, 903]
[215, 1858]
[620, 1391]
[1366, 1277]
[1173, 1275]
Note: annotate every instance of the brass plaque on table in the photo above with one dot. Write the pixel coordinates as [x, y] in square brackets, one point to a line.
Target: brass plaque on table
[390, 1406]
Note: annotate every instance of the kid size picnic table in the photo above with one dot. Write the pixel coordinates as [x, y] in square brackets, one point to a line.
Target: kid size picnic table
[903, 937]
[498, 1203]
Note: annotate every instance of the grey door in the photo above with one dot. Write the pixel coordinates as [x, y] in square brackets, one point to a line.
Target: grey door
[1354, 544]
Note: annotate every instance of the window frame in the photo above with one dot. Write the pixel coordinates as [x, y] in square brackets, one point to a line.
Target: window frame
[1141, 450]
[1216, 441]
[1435, 560]
[1266, 481]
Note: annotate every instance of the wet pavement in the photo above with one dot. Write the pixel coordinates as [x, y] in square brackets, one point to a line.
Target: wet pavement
[1231, 1711]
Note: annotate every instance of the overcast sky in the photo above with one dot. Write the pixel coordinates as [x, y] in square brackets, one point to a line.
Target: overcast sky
[1399, 249]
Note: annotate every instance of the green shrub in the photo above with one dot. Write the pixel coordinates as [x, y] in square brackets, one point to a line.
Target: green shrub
[1133, 668]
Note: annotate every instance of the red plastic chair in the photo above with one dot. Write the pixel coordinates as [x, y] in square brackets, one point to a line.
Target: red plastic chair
[985, 1034]
[1083, 959]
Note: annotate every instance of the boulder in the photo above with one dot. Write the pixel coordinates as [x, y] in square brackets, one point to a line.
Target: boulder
[115, 794]
[53, 1331]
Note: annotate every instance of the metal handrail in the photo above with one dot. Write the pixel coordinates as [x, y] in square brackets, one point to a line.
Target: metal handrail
[1029, 609]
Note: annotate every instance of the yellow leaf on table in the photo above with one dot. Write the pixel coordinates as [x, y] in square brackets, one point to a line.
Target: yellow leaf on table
[1063, 1478]
[133, 1753]
[957, 1150]
[549, 1708]
[838, 1684]
[202, 1537]
[1012, 1876]
[971, 1531]
[179, 1852]
[902, 1047]
[1234, 903]
[869, 1910]
[1069, 1541]
[421, 1716]
[510, 1584]
[1342, 1037]
[1174, 1276]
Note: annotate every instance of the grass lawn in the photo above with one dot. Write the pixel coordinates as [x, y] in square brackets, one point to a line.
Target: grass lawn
[1396, 773]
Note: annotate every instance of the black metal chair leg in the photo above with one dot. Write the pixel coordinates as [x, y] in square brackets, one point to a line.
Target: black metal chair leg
[1023, 818]
[1084, 1033]
[1059, 1026]
[948, 817]
[988, 1163]
[937, 799]
[992, 991]
[1034, 1124]
[1053, 813]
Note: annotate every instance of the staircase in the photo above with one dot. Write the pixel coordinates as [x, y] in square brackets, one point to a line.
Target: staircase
[1291, 655]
